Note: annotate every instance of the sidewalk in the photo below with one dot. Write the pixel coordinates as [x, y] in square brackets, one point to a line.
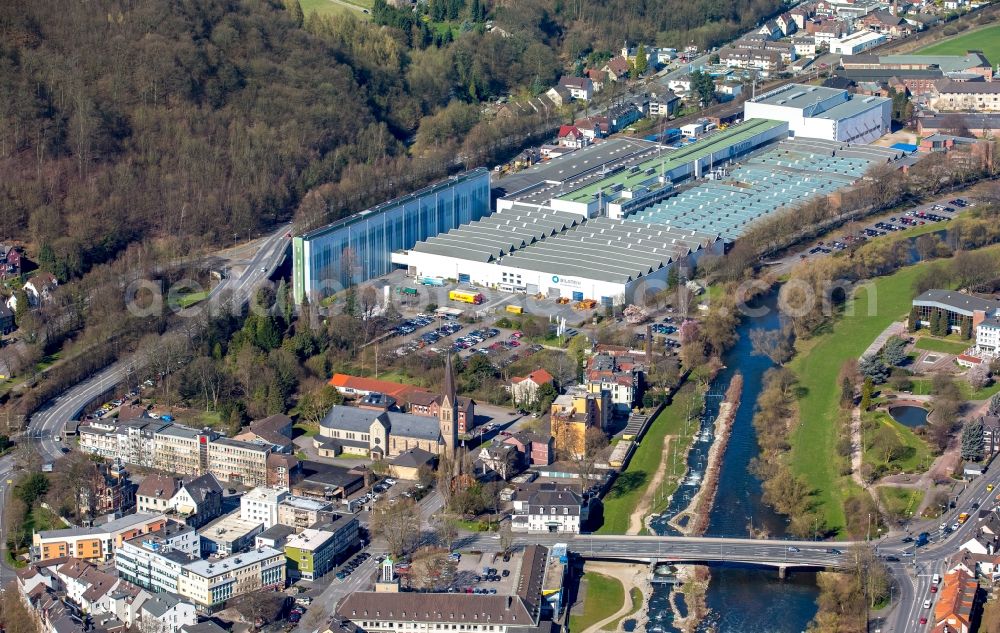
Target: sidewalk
[897, 328]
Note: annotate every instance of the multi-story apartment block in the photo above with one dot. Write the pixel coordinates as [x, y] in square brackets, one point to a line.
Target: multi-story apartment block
[260, 505]
[310, 553]
[179, 449]
[182, 450]
[154, 561]
[209, 583]
[241, 462]
[93, 543]
[301, 512]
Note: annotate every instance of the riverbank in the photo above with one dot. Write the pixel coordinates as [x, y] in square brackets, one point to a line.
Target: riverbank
[612, 592]
[693, 521]
[695, 580]
[636, 482]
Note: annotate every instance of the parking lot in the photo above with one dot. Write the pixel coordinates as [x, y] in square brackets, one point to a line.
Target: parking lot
[485, 573]
[920, 216]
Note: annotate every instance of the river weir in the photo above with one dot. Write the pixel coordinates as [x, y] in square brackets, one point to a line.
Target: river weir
[737, 599]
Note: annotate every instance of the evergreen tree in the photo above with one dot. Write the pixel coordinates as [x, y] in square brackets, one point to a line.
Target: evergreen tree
[867, 390]
[21, 308]
[972, 440]
[478, 11]
[894, 351]
[296, 10]
[966, 329]
[641, 61]
[913, 323]
[872, 367]
[994, 406]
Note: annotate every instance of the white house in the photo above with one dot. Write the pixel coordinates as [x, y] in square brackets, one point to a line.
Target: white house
[524, 389]
[166, 613]
[548, 510]
[260, 505]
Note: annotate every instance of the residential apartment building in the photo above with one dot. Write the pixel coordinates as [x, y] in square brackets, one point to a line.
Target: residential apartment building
[229, 534]
[240, 462]
[572, 414]
[310, 553]
[166, 613]
[604, 375]
[210, 583]
[967, 96]
[301, 512]
[182, 450]
[178, 449]
[93, 543]
[260, 505]
[154, 561]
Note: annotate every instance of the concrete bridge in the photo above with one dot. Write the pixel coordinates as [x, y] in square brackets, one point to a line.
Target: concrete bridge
[779, 554]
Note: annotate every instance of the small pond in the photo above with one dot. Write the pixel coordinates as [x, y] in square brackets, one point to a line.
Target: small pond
[909, 415]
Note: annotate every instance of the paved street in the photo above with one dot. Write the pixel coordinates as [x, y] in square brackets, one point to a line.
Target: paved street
[48, 423]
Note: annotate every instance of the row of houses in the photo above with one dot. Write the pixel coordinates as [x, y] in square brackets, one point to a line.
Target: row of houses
[262, 458]
[70, 596]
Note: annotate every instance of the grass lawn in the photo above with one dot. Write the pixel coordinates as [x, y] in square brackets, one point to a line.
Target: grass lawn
[900, 502]
[814, 442]
[636, 594]
[941, 345]
[629, 487]
[191, 298]
[329, 7]
[917, 456]
[307, 429]
[43, 519]
[210, 419]
[985, 39]
[605, 595]
[922, 387]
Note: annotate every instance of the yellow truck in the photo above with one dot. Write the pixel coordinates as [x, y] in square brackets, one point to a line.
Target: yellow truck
[515, 309]
[466, 297]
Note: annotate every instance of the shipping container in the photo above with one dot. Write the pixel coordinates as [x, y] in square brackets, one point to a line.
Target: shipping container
[432, 281]
[406, 291]
[465, 297]
[515, 309]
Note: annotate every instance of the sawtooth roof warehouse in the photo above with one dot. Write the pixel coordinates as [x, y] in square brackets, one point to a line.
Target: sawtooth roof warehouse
[608, 222]
[538, 250]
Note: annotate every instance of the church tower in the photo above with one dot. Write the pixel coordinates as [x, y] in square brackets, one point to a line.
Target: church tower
[448, 415]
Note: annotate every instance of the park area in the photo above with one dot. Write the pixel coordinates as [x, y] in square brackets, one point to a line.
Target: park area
[604, 596]
[985, 39]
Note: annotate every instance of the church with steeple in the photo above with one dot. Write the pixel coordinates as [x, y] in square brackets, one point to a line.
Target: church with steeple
[376, 428]
[448, 413]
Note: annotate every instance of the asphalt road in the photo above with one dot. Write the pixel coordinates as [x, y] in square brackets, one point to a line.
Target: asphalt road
[48, 423]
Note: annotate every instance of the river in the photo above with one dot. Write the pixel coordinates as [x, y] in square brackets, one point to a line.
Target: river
[742, 600]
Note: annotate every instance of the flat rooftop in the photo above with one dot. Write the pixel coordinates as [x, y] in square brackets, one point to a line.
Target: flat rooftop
[302, 503]
[671, 159]
[228, 528]
[525, 185]
[799, 96]
[211, 567]
[309, 539]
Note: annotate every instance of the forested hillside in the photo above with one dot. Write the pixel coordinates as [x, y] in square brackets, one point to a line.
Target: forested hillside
[198, 121]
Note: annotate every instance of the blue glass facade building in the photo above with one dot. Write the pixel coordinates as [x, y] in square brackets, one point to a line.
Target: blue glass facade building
[358, 248]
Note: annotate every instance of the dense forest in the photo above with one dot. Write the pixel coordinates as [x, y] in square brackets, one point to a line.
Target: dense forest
[198, 121]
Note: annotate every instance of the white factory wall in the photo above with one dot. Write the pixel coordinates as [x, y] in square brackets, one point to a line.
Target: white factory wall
[867, 126]
[863, 127]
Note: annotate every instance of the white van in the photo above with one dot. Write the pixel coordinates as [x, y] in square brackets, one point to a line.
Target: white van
[936, 579]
